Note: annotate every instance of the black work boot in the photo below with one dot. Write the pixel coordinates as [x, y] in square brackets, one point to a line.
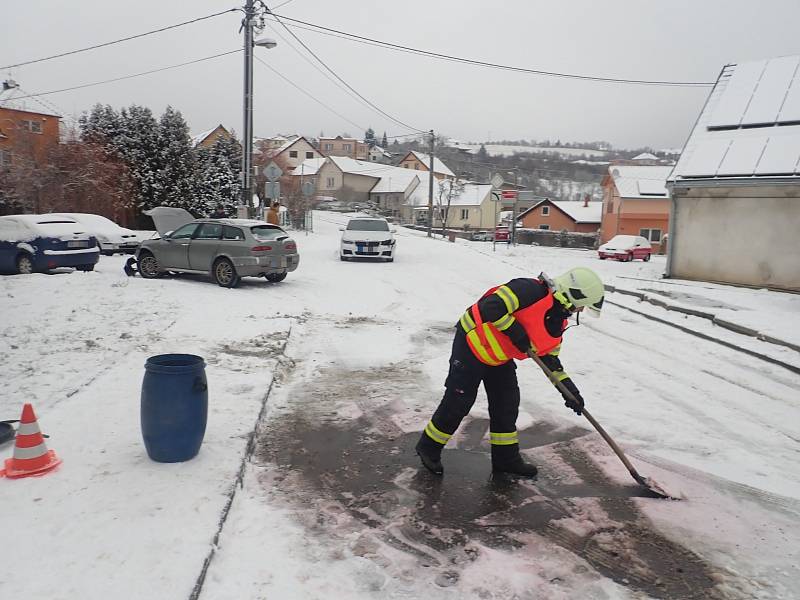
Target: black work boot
[507, 459]
[430, 453]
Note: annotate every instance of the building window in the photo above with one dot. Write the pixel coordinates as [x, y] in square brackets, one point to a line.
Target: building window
[32, 126]
[651, 235]
[544, 226]
[328, 146]
[610, 208]
[309, 155]
[5, 158]
[545, 211]
[377, 197]
[330, 182]
[416, 167]
[347, 147]
[464, 214]
[292, 153]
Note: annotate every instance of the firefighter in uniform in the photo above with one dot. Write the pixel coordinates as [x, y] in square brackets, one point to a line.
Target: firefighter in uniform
[507, 321]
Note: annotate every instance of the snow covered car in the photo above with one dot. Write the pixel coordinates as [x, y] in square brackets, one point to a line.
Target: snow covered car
[225, 249]
[483, 236]
[367, 237]
[626, 248]
[110, 237]
[30, 243]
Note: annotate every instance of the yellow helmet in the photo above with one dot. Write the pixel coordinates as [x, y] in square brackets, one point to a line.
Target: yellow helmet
[581, 287]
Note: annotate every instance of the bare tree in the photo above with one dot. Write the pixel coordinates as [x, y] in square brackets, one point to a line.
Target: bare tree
[448, 189]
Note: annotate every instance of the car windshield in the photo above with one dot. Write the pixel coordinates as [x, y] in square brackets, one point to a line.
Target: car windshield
[622, 240]
[265, 233]
[367, 225]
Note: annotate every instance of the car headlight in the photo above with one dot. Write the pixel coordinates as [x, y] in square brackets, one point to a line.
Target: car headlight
[346, 242]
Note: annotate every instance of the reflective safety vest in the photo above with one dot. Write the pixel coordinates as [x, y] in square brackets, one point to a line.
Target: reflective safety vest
[493, 347]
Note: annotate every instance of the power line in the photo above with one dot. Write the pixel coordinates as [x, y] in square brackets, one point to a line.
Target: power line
[314, 98]
[85, 85]
[125, 39]
[332, 72]
[459, 59]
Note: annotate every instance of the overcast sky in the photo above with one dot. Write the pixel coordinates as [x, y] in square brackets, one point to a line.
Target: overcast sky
[680, 40]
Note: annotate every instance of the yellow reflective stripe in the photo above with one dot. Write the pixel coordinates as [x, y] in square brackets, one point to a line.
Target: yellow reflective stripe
[497, 350]
[508, 297]
[555, 351]
[560, 375]
[503, 439]
[435, 434]
[504, 322]
[467, 322]
[475, 342]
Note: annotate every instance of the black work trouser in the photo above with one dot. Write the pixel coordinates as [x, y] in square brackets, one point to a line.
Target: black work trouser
[461, 388]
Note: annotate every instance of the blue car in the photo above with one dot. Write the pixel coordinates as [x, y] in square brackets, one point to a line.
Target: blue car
[30, 243]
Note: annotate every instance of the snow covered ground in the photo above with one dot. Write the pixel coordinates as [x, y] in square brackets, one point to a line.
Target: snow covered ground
[506, 150]
[347, 361]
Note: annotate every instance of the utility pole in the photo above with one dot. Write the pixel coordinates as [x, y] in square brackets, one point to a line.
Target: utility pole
[430, 189]
[247, 143]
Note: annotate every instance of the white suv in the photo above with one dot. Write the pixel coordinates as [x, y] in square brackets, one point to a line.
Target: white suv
[367, 237]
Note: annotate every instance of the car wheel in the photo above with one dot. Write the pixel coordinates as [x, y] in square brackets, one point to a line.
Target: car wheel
[629, 258]
[148, 266]
[646, 257]
[276, 277]
[225, 273]
[24, 264]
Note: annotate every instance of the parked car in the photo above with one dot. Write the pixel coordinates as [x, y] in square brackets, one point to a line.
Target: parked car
[111, 237]
[502, 234]
[225, 249]
[30, 243]
[626, 248]
[482, 236]
[367, 237]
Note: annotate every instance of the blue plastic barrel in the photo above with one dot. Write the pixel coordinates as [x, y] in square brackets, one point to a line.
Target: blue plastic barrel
[174, 406]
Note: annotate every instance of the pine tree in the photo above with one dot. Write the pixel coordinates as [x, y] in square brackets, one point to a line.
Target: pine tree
[369, 137]
[217, 176]
[173, 182]
[384, 141]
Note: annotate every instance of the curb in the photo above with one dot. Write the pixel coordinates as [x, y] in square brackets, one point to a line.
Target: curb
[725, 324]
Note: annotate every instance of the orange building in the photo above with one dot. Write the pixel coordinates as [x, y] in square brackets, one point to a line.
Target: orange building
[26, 134]
[579, 217]
[635, 202]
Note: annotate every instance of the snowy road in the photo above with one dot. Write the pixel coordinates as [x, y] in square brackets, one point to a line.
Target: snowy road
[348, 361]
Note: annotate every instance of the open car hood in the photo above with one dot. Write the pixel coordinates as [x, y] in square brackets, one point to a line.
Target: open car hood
[168, 219]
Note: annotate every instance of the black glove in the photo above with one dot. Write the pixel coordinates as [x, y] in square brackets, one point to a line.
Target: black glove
[576, 402]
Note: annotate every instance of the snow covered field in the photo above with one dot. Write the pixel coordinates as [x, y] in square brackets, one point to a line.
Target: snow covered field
[506, 150]
[347, 361]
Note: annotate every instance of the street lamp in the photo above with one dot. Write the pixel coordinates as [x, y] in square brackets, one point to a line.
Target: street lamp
[247, 149]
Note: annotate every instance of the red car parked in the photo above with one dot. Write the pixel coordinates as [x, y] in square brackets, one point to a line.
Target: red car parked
[626, 248]
[501, 234]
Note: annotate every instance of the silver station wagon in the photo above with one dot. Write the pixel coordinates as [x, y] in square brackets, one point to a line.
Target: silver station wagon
[225, 249]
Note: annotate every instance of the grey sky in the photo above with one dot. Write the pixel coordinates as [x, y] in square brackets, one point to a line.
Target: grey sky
[680, 40]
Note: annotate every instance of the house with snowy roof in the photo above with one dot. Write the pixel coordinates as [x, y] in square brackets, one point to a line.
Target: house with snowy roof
[556, 215]
[379, 155]
[208, 138]
[735, 191]
[635, 202]
[344, 146]
[290, 154]
[346, 179]
[419, 161]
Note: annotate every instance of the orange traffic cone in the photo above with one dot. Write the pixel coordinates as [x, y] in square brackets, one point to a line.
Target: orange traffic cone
[31, 456]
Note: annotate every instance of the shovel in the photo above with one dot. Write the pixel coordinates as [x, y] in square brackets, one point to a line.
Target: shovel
[648, 483]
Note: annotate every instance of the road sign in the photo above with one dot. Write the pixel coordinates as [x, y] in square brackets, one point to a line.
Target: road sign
[272, 190]
[509, 194]
[308, 188]
[497, 180]
[272, 171]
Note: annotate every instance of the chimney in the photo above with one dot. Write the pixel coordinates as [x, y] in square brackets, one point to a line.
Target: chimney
[586, 200]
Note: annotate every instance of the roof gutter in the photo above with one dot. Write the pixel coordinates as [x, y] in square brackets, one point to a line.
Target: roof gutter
[731, 182]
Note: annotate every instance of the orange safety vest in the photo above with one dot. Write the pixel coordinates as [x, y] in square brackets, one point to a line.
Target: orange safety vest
[492, 347]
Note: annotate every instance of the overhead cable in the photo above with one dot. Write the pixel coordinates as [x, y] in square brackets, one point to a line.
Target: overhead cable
[125, 39]
[332, 72]
[85, 85]
[374, 42]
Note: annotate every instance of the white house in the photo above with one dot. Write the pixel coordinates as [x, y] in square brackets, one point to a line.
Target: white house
[735, 191]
